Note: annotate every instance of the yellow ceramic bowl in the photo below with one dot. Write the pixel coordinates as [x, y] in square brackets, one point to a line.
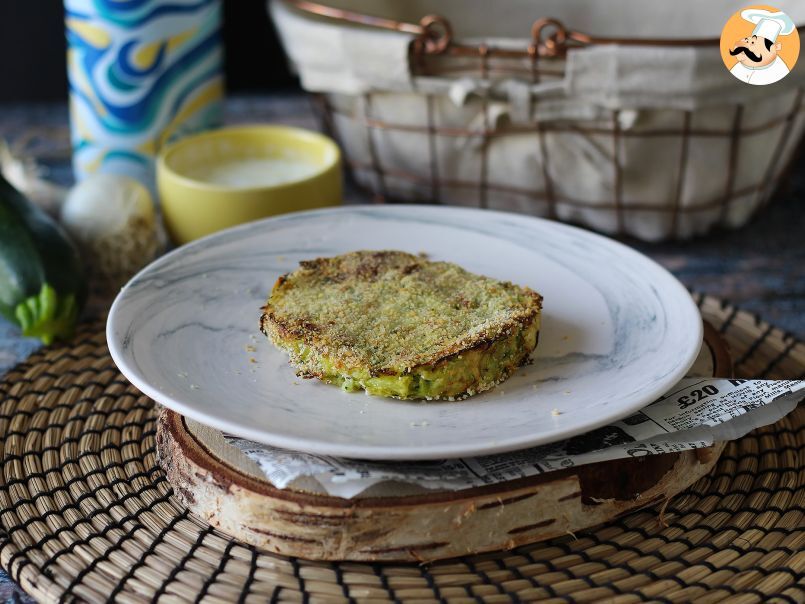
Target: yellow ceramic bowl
[217, 179]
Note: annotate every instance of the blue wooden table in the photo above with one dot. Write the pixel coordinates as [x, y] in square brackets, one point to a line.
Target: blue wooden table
[760, 267]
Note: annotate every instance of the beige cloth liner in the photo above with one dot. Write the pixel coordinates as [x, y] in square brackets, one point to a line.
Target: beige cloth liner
[649, 86]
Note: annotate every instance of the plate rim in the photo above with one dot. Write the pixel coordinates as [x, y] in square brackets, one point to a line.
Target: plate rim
[396, 453]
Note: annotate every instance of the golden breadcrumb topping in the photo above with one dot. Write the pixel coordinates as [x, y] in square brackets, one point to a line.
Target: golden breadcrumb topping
[390, 311]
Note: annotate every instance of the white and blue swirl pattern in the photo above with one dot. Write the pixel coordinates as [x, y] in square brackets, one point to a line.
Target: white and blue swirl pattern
[141, 73]
[617, 332]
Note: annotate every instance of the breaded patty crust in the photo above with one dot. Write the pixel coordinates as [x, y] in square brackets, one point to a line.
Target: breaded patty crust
[395, 324]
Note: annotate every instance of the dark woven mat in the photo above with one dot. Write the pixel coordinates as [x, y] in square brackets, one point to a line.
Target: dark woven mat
[88, 515]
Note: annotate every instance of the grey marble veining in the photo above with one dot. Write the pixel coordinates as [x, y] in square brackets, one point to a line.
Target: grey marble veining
[617, 331]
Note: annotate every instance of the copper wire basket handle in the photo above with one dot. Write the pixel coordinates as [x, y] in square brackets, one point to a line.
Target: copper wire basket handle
[433, 32]
[554, 44]
[345, 15]
[434, 35]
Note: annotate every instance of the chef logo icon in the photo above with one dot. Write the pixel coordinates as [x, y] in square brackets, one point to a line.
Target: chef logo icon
[760, 45]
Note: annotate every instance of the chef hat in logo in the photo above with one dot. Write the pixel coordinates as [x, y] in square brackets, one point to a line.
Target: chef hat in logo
[769, 24]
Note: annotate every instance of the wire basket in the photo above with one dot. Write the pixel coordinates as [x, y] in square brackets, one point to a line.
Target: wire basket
[648, 136]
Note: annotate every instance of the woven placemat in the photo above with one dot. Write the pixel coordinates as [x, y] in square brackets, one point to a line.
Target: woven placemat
[88, 515]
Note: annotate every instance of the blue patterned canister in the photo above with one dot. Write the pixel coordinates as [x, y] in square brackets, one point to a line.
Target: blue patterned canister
[142, 73]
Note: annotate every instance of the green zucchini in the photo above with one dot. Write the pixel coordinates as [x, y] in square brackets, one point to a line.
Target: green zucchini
[43, 285]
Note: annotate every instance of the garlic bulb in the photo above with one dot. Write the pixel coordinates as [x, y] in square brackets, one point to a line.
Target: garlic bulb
[112, 219]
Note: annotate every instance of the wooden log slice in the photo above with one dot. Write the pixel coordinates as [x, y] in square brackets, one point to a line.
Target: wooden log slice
[401, 523]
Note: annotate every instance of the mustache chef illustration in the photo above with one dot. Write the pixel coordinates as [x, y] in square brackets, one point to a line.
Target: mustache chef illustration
[758, 60]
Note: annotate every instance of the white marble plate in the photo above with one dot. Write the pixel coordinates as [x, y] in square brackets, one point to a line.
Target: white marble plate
[618, 331]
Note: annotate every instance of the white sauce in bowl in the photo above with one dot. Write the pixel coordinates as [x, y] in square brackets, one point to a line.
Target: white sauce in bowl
[253, 172]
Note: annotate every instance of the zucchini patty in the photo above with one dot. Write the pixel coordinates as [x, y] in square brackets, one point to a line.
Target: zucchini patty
[398, 325]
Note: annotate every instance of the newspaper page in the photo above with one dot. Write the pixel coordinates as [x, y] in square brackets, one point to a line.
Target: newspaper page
[694, 414]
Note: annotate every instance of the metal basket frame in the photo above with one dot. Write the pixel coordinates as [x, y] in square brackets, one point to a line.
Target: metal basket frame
[434, 48]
